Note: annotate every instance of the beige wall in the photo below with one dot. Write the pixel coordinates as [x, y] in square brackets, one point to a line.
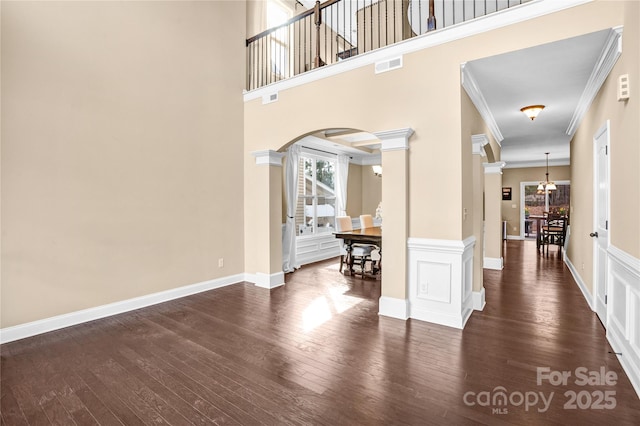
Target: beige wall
[423, 95]
[371, 191]
[624, 159]
[121, 151]
[512, 178]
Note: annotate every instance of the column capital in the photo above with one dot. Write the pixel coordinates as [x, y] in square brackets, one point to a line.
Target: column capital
[268, 157]
[478, 143]
[494, 168]
[394, 140]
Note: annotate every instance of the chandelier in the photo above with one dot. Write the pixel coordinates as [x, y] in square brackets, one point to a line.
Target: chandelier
[546, 185]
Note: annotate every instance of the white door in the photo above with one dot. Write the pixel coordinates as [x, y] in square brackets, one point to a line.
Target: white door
[601, 220]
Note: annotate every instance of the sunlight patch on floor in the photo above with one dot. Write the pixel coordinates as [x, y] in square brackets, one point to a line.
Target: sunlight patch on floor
[322, 309]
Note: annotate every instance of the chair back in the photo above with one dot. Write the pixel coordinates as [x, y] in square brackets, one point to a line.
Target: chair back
[366, 221]
[343, 224]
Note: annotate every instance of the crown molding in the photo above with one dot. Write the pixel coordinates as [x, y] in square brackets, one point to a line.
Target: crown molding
[608, 57]
[473, 90]
[537, 163]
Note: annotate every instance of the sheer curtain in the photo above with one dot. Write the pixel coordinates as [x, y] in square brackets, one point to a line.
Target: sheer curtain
[341, 187]
[291, 189]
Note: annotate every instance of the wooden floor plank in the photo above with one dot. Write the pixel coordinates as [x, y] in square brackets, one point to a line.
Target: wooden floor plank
[316, 352]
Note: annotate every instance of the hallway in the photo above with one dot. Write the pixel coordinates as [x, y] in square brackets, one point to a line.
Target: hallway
[315, 352]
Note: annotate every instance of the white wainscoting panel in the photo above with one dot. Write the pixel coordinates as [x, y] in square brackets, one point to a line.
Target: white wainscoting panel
[315, 248]
[623, 308]
[441, 280]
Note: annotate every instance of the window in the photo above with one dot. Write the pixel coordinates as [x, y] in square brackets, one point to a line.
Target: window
[279, 40]
[316, 213]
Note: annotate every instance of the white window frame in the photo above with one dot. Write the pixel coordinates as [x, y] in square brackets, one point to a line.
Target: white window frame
[315, 156]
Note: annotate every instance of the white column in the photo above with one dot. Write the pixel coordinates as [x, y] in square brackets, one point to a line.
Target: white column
[395, 198]
[493, 215]
[263, 221]
[478, 144]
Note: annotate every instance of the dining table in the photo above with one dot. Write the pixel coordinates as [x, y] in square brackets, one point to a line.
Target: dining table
[371, 236]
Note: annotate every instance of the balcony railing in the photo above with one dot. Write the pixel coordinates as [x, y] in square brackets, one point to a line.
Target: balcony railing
[339, 29]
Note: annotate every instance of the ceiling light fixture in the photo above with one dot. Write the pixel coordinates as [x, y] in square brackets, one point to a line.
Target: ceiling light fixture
[547, 185]
[532, 111]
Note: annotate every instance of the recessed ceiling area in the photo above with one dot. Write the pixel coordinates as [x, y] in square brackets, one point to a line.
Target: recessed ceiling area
[556, 75]
[362, 147]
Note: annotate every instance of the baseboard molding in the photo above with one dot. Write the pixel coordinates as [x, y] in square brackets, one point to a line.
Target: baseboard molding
[394, 308]
[622, 349]
[268, 281]
[442, 318]
[9, 334]
[493, 263]
[479, 301]
[581, 285]
[515, 237]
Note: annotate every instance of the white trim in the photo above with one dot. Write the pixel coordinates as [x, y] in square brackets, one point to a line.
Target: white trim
[623, 258]
[369, 160]
[29, 329]
[515, 237]
[473, 90]
[538, 163]
[441, 280]
[479, 301]
[268, 157]
[394, 308]
[394, 140]
[483, 24]
[581, 285]
[265, 280]
[608, 57]
[620, 345]
[493, 168]
[478, 143]
[493, 263]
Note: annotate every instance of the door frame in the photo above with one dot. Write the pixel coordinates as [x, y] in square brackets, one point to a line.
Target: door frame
[522, 200]
[606, 130]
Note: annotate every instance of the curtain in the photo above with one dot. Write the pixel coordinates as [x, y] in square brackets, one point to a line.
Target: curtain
[341, 187]
[291, 191]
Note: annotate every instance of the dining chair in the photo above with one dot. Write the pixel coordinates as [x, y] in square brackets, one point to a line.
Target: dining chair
[360, 253]
[366, 221]
[554, 231]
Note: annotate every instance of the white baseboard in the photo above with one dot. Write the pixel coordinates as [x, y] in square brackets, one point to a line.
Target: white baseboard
[515, 237]
[621, 346]
[394, 308]
[9, 334]
[442, 318]
[493, 263]
[581, 285]
[479, 301]
[265, 280]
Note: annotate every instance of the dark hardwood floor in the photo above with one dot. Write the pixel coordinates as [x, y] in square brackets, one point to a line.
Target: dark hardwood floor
[315, 352]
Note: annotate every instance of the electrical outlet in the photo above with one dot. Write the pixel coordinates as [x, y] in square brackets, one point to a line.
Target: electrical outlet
[221, 262]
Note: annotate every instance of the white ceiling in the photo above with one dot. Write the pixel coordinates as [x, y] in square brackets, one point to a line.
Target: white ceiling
[554, 75]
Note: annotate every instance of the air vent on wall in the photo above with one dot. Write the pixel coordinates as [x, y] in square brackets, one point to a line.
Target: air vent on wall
[271, 97]
[388, 65]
